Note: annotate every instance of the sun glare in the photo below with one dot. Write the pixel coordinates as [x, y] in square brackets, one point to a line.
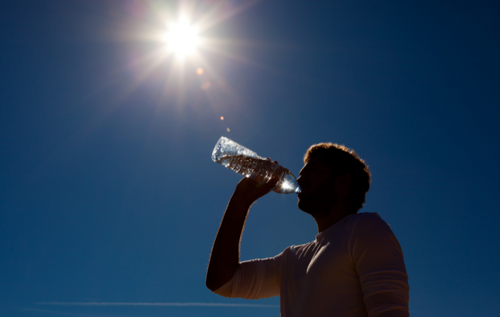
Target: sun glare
[179, 46]
[182, 38]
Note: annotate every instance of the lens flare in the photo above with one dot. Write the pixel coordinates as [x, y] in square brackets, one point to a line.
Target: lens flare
[205, 85]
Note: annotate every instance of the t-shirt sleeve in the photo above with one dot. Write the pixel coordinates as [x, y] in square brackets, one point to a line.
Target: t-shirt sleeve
[254, 279]
[379, 262]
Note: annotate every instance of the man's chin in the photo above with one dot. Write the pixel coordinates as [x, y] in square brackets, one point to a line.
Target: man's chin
[310, 207]
[304, 207]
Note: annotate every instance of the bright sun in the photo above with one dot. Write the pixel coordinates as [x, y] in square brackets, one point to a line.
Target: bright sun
[182, 38]
[175, 41]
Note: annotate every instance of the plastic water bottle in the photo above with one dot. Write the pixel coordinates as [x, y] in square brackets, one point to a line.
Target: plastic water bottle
[247, 163]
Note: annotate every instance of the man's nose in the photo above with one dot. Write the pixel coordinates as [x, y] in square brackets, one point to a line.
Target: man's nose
[300, 179]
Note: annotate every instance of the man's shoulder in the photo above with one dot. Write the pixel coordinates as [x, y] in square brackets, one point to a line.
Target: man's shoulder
[368, 215]
[353, 221]
[371, 226]
[368, 218]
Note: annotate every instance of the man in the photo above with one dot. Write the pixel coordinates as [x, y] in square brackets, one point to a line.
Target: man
[354, 268]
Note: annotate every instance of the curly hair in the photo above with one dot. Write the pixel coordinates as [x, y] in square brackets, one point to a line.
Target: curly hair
[342, 160]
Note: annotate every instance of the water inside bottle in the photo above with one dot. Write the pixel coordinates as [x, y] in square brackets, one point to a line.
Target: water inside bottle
[261, 171]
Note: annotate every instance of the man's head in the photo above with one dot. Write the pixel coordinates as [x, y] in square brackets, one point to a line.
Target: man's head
[332, 171]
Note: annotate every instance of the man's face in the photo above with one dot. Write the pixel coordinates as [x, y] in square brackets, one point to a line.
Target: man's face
[317, 187]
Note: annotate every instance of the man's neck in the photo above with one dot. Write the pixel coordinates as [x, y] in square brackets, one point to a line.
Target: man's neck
[327, 220]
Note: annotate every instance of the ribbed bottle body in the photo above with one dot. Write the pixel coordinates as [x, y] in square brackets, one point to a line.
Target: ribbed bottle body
[247, 163]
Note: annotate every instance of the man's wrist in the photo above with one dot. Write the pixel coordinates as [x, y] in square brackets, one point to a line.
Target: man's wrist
[241, 201]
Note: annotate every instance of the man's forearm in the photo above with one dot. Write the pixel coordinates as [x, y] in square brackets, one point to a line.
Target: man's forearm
[225, 256]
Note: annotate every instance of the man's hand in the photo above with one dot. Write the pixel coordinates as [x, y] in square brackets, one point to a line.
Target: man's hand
[248, 191]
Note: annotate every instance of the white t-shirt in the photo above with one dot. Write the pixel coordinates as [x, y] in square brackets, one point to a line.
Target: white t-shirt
[331, 276]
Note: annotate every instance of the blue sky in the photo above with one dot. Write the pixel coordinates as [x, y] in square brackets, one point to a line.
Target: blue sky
[107, 190]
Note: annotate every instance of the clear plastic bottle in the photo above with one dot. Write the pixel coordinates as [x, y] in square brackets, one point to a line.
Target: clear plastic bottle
[247, 163]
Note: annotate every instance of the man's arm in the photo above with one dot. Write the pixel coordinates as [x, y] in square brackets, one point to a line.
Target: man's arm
[225, 256]
[386, 300]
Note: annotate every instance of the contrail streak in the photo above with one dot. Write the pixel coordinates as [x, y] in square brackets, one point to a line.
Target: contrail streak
[152, 304]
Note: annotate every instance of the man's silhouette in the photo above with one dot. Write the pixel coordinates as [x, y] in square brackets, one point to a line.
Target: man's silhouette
[353, 268]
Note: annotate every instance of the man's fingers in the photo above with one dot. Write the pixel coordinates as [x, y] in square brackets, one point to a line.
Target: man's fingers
[269, 159]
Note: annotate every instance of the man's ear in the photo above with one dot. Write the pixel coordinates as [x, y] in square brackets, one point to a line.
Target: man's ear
[343, 184]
